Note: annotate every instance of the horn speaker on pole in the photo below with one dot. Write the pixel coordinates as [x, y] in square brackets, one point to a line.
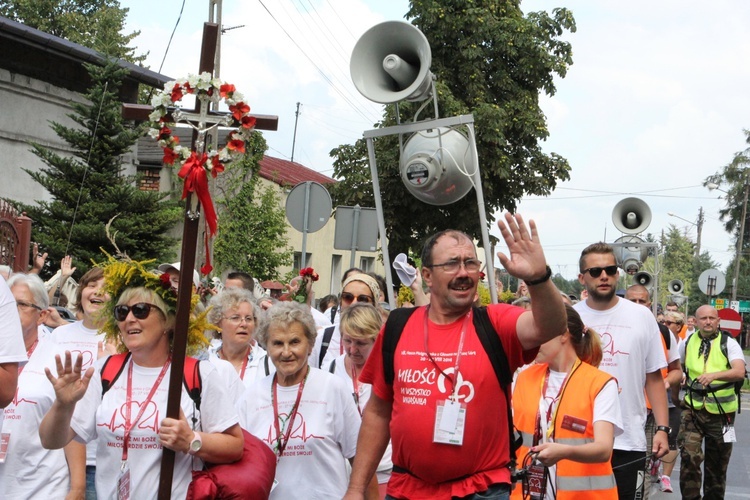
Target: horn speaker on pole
[391, 62]
[676, 286]
[644, 278]
[631, 216]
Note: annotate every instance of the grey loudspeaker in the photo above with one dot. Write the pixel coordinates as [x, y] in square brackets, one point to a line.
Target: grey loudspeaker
[645, 279]
[676, 287]
[629, 254]
[391, 62]
[434, 165]
[631, 215]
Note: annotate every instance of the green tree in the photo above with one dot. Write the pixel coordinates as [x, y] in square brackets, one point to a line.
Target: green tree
[677, 261]
[735, 179]
[88, 188]
[97, 24]
[489, 60]
[252, 223]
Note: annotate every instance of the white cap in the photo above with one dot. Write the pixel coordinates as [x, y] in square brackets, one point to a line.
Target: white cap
[405, 271]
[176, 266]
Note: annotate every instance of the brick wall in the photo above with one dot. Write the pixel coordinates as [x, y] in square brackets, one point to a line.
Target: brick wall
[149, 179]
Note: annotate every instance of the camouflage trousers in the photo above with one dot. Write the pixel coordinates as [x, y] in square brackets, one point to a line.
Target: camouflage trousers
[695, 426]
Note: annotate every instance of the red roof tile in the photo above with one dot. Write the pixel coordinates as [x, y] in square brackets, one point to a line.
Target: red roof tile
[289, 173]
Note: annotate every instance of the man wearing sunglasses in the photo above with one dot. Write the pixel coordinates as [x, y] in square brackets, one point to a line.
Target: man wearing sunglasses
[445, 411]
[633, 355]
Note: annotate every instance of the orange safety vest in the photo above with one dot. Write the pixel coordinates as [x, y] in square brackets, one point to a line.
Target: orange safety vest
[664, 371]
[574, 480]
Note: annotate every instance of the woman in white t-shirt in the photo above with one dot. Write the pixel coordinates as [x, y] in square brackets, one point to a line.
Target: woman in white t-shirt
[125, 414]
[306, 415]
[359, 326]
[233, 310]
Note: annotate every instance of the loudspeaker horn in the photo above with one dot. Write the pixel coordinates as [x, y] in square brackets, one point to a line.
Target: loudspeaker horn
[391, 62]
[435, 164]
[631, 215]
[629, 253]
[644, 278]
[676, 287]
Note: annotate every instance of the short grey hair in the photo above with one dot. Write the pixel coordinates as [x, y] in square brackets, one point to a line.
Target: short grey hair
[284, 314]
[227, 299]
[35, 285]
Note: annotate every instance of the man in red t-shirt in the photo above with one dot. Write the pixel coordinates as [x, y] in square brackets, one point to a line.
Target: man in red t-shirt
[446, 412]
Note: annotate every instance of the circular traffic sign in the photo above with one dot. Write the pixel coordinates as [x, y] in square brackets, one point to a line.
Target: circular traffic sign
[731, 321]
[309, 199]
[712, 282]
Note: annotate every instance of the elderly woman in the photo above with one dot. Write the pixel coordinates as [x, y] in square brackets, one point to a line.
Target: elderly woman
[307, 416]
[28, 470]
[359, 325]
[357, 288]
[125, 414]
[233, 310]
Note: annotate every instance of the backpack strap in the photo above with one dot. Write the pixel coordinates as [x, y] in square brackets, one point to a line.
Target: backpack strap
[112, 368]
[327, 335]
[332, 366]
[333, 313]
[265, 363]
[192, 380]
[394, 327]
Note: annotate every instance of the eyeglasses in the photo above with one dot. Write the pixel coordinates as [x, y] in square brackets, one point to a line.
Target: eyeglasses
[141, 310]
[237, 319]
[27, 305]
[671, 323]
[595, 272]
[452, 266]
[348, 298]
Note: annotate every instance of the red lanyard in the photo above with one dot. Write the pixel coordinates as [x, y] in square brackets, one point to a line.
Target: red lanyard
[128, 425]
[453, 380]
[355, 387]
[553, 406]
[28, 355]
[244, 364]
[281, 442]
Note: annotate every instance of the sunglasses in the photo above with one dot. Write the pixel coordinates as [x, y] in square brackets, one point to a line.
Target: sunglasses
[595, 272]
[141, 310]
[349, 298]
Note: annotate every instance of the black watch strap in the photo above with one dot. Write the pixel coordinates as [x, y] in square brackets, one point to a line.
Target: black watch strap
[664, 428]
[541, 280]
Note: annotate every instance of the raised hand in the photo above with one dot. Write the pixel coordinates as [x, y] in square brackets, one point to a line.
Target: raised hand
[526, 259]
[38, 260]
[69, 385]
[66, 268]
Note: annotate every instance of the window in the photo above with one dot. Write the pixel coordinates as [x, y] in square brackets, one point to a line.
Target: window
[336, 274]
[367, 264]
[298, 260]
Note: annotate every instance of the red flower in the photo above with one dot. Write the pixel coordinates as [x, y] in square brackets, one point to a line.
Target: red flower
[226, 89]
[481, 275]
[238, 110]
[309, 272]
[248, 121]
[164, 133]
[216, 166]
[177, 92]
[169, 156]
[236, 145]
[165, 282]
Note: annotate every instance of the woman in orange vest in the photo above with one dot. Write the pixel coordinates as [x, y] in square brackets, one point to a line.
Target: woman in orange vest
[568, 413]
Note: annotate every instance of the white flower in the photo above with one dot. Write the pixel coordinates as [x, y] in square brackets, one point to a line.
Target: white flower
[162, 143]
[193, 80]
[153, 133]
[237, 96]
[169, 86]
[224, 154]
[155, 115]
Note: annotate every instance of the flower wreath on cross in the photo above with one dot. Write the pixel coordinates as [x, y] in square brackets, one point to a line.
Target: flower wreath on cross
[195, 166]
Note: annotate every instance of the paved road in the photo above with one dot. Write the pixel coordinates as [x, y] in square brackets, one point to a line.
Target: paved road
[738, 474]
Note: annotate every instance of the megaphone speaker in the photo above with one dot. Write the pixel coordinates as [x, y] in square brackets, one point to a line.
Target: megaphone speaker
[630, 253]
[631, 216]
[391, 62]
[644, 278]
[676, 286]
[435, 164]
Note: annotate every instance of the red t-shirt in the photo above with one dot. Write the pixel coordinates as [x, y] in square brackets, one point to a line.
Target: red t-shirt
[444, 470]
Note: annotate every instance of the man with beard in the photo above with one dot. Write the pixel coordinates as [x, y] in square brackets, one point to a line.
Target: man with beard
[633, 355]
[444, 409]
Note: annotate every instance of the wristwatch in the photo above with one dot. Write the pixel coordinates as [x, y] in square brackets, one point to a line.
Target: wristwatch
[195, 444]
[664, 428]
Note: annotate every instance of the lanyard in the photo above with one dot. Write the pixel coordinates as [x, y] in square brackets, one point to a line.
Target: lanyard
[128, 424]
[453, 380]
[244, 363]
[355, 387]
[281, 442]
[28, 355]
[551, 416]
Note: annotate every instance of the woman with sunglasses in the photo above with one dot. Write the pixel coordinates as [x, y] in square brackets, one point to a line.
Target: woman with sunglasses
[233, 310]
[358, 288]
[125, 416]
[568, 413]
[360, 324]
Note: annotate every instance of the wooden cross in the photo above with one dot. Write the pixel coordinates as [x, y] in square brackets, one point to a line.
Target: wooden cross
[200, 117]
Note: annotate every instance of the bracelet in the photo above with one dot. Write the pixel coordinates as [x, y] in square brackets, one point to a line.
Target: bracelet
[541, 280]
[664, 428]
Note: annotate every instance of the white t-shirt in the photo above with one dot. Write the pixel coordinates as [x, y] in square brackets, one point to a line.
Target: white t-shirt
[11, 338]
[323, 436]
[364, 391]
[255, 370]
[102, 419]
[80, 341]
[228, 376]
[335, 349]
[631, 345]
[321, 323]
[606, 409]
[29, 470]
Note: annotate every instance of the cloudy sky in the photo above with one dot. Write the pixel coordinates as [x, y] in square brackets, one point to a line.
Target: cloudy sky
[656, 100]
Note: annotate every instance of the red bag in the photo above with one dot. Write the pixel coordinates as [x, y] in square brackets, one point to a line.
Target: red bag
[250, 477]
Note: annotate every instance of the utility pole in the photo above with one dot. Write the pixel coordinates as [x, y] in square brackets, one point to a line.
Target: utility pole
[738, 257]
[699, 226]
[214, 17]
[294, 138]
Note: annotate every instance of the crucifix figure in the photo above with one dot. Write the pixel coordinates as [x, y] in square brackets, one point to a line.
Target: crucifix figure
[199, 120]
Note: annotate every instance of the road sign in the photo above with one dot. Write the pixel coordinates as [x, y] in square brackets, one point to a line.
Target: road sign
[731, 321]
[741, 306]
[712, 282]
